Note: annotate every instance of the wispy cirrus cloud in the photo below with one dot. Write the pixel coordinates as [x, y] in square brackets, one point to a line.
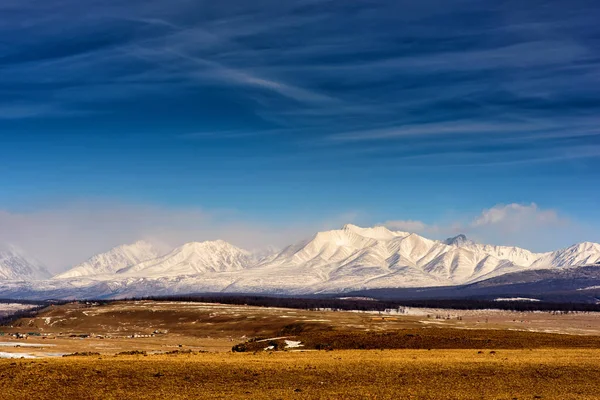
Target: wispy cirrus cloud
[151, 50]
[515, 216]
[321, 72]
[456, 127]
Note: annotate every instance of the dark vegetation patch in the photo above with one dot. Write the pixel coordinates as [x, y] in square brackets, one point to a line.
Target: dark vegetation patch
[189, 351]
[260, 345]
[132, 353]
[439, 338]
[427, 338]
[82, 354]
[298, 328]
[29, 302]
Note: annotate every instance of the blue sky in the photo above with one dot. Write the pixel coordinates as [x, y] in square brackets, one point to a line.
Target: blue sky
[297, 115]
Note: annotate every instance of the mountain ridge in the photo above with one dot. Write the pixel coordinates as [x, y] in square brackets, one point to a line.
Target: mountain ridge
[340, 260]
[117, 258]
[16, 265]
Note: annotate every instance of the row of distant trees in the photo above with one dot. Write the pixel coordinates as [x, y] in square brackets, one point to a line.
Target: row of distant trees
[12, 301]
[337, 304]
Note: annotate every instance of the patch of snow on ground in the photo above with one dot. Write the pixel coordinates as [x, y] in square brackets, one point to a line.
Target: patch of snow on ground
[357, 298]
[590, 288]
[19, 344]
[15, 306]
[274, 338]
[16, 355]
[515, 299]
[290, 344]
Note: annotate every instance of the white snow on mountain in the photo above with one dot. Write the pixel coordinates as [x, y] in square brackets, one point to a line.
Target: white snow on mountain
[113, 260]
[350, 258]
[578, 254]
[361, 258]
[516, 255]
[265, 253]
[15, 265]
[192, 259]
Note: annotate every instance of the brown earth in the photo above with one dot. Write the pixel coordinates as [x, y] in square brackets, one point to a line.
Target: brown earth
[126, 326]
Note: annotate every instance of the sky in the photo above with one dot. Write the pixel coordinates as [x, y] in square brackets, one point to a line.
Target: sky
[262, 122]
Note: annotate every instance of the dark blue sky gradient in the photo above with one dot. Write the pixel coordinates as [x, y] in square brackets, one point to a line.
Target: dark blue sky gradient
[302, 109]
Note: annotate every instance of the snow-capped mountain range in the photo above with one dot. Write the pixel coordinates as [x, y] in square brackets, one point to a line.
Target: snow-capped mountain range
[195, 258]
[113, 260]
[351, 258]
[14, 264]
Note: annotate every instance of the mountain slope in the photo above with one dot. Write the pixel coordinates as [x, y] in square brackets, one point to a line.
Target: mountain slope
[514, 254]
[578, 254]
[355, 257]
[581, 284]
[113, 260]
[341, 260]
[15, 265]
[192, 259]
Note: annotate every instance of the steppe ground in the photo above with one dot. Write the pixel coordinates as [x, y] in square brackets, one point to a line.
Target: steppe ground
[7, 309]
[183, 350]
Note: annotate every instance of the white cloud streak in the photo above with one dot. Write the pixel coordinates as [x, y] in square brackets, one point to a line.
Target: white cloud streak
[516, 216]
[524, 225]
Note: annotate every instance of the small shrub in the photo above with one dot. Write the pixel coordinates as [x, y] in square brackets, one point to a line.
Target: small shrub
[82, 354]
[132, 353]
[239, 348]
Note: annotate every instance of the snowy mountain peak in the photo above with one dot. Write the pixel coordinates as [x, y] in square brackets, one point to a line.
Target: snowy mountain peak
[209, 244]
[587, 246]
[141, 244]
[16, 265]
[458, 240]
[575, 255]
[376, 232]
[265, 253]
[117, 258]
[193, 258]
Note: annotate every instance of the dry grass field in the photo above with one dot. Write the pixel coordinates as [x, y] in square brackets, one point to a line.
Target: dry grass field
[124, 326]
[185, 353]
[353, 374]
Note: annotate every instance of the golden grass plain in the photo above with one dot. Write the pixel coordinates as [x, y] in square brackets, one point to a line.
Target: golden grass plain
[345, 374]
[426, 354]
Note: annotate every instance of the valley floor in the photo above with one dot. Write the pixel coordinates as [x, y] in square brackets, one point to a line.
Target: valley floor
[347, 374]
[182, 350]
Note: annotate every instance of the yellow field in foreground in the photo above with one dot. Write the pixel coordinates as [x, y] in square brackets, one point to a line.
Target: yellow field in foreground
[353, 374]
